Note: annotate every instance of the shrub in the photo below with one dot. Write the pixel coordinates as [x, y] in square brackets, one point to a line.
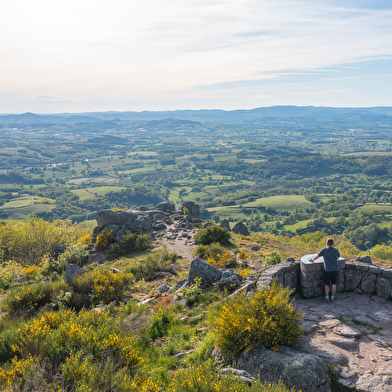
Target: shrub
[210, 251]
[224, 260]
[131, 243]
[29, 298]
[243, 255]
[86, 240]
[206, 378]
[104, 239]
[266, 319]
[146, 267]
[72, 342]
[167, 257]
[192, 293]
[73, 255]
[31, 270]
[8, 272]
[160, 323]
[244, 271]
[273, 258]
[16, 371]
[28, 242]
[211, 234]
[102, 285]
[383, 252]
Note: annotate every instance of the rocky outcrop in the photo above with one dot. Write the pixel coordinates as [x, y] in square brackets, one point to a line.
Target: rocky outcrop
[229, 279]
[225, 224]
[206, 272]
[72, 271]
[304, 371]
[240, 228]
[192, 209]
[154, 222]
[57, 251]
[166, 207]
[364, 259]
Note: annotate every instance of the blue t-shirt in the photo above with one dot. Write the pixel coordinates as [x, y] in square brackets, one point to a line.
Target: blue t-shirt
[331, 256]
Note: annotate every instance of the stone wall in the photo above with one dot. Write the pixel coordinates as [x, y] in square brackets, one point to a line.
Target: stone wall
[311, 277]
[306, 278]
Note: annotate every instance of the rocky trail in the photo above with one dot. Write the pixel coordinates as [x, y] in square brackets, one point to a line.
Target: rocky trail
[355, 334]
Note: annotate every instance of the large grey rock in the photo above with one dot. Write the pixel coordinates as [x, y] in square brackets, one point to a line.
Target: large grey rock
[57, 251]
[107, 217]
[240, 228]
[160, 289]
[368, 283]
[192, 208]
[364, 259]
[166, 207]
[229, 278]
[225, 224]
[303, 371]
[72, 271]
[145, 222]
[352, 279]
[203, 270]
[384, 287]
[323, 350]
[157, 215]
[114, 229]
[177, 286]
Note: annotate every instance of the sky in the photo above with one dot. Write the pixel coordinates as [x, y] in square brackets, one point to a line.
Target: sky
[126, 55]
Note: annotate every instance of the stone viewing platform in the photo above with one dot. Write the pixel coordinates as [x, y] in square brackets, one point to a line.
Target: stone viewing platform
[311, 278]
[304, 276]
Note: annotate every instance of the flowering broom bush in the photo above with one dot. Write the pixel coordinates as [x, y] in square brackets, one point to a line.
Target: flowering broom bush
[266, 319]
[205, 378]
[30, 298]
[102, 285]
[76, 343]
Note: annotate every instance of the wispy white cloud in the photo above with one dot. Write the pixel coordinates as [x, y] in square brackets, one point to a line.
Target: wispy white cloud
[161, 51]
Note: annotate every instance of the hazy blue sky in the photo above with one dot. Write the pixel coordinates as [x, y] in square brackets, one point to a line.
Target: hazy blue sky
[85, 55]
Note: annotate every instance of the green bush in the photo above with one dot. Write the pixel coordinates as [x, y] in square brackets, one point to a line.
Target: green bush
[383, 252]
[167, 257]
[74, 255]
[130, 243]
[273, 258]
[206, 378]
[210, 251]
[192, 293]
[211, 234]
[159, 324]
[99, 286]
[30, 298]
[147, 266]
[266, 319]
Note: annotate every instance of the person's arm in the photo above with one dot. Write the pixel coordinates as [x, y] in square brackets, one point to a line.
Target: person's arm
[317, 256]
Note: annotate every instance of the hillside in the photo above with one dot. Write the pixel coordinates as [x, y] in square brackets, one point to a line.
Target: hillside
[116, 327]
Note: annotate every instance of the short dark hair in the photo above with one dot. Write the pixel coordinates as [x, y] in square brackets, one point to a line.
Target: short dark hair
[330, 241]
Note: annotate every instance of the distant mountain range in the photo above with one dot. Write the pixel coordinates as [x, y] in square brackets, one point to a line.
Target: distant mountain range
[273, 113]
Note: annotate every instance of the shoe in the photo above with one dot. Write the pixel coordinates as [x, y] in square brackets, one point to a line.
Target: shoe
[326, 299]
[332, 300]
